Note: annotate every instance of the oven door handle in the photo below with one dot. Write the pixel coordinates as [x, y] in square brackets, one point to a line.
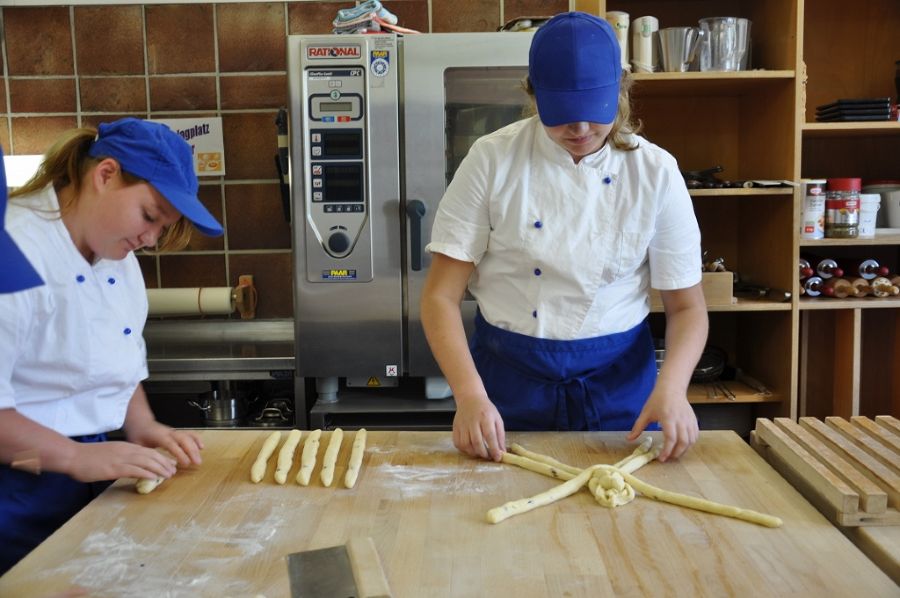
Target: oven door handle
[415, 211]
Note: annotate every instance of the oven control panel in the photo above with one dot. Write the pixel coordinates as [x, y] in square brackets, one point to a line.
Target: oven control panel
[335, 159]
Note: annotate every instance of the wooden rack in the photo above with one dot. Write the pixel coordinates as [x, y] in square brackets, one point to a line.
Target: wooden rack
[850, 470]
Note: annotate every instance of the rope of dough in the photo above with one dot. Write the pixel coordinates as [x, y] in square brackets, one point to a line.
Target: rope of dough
[356, 455]
[683, 500]
[330, 458]
[286, 456]
[517, 507]
[258, 470]
[308, 458]
[144, 486]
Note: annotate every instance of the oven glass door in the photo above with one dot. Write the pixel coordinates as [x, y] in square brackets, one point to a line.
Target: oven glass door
[456, 88]
[479, 101]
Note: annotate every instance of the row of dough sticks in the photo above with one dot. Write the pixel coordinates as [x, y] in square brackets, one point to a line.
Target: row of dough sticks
[308, 457]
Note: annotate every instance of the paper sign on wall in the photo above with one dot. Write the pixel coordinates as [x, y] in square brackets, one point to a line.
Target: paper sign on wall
[205, 137]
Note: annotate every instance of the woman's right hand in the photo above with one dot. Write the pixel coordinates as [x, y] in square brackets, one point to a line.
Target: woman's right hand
[478, 429]
[96, 461]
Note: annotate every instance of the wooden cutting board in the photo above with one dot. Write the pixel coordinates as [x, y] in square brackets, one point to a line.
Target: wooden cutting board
[211, 532]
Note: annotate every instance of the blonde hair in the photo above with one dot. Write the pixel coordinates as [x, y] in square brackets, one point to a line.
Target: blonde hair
[67, 163]
[623, 125]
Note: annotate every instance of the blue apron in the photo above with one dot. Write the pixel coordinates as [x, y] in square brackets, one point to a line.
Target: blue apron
[596, 383]
[33, 506]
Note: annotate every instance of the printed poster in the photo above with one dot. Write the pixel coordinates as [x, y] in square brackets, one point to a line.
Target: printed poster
[205, 137]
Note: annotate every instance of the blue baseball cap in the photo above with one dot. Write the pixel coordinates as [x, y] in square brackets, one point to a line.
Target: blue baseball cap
[17, 273]
[575, 67]
[155, 153]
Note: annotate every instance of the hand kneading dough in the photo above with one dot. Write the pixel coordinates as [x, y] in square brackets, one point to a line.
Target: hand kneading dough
[330, 458]
[308, 458]
[258, 471]
[356, 455]
[286, 456]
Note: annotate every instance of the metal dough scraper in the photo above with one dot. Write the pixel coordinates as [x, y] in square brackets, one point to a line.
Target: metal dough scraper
[351, 570]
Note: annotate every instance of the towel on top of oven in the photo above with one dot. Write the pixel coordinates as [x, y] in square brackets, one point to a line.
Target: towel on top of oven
[367, 16]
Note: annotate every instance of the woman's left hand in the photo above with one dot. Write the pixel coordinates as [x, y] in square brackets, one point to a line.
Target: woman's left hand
[675, 416]
[183, 445]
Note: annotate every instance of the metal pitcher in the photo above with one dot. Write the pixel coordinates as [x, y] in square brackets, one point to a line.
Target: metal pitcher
[678, 46]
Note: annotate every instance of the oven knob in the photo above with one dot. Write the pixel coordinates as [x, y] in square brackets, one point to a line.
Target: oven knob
[338, 242]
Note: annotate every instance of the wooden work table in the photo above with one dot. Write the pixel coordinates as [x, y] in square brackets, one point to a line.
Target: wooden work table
[211, 532]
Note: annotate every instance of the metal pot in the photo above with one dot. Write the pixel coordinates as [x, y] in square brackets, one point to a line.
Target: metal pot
[275, 413]
[222, 406]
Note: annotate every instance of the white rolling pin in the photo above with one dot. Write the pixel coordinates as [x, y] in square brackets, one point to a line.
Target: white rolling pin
[205, 301]
[191, 301]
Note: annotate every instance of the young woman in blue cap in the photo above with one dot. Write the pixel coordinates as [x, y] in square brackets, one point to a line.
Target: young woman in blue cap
[73, 355]
[558, 225]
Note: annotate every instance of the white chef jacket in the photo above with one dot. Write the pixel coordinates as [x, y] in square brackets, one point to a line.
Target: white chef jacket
[563, 250]
[71, 351]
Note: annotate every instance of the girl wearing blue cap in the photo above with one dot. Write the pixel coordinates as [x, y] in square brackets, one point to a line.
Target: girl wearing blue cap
[73, 355]
[558, 225]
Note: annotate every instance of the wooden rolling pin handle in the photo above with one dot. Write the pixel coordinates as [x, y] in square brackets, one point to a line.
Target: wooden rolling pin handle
[244, 297]
[837, 287]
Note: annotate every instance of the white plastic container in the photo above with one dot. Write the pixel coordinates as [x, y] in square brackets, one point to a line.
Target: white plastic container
[868, 214]
[882, 187]
[892, 207]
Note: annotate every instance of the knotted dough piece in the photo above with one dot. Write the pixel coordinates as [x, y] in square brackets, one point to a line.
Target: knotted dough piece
[608, 488]
[607, 479]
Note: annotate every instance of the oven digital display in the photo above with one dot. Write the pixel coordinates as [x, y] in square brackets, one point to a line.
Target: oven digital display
[343, 182]
[342, 144]
[337, 107]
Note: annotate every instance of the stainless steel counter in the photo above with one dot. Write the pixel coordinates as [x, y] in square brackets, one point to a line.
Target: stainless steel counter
[220, 349]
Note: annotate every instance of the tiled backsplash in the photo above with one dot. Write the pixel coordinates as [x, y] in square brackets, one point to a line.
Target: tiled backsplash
[68, 66]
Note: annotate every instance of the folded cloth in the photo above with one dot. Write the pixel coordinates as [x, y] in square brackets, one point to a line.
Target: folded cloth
[348, 26]
[345, 15]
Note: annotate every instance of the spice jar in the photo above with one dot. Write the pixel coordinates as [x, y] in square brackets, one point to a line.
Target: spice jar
[842, 208]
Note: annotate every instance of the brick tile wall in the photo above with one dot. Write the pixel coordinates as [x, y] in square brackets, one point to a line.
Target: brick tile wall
[195, 59]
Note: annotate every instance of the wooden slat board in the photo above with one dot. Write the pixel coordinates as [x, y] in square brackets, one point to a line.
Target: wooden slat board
[211, 532]
[849, 470]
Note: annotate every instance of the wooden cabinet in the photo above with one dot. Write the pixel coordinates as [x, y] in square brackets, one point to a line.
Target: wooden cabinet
[817, 357]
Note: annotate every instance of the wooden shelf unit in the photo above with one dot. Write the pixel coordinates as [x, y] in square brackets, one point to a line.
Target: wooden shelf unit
[819, 357]
[849, 348]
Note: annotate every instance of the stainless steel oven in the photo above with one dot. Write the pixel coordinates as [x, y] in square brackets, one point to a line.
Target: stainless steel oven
[378, 126]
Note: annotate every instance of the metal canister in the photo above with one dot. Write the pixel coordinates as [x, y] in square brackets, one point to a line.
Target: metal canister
[812, 217]
[842, 208]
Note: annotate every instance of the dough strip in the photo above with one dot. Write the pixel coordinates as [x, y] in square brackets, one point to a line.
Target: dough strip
[330, 458]
[308, 458]
[286, 456]
[356, 456]
[258, 470]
